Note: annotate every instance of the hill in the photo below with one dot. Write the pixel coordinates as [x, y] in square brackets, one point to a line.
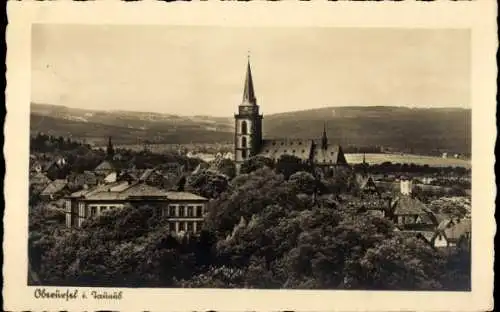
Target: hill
[423, 130]
[128, 127]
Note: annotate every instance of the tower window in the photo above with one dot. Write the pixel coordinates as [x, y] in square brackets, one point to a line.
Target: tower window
[281, 143]
[300, 143]
[244, 154]
[243, 142]
[285, 151]
[303, 151]
[244, 127]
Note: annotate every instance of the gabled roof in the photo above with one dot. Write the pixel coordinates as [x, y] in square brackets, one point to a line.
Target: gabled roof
[54, 187]
[39, 178]
[455, 230]
[406, 205]
[332, 155]
[105, 165]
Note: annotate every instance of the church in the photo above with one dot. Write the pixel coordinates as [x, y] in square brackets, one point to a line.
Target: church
[249, 142]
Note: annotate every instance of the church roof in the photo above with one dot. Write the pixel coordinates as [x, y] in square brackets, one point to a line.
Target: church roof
[276, 148]
[332, 155]
[248, 92]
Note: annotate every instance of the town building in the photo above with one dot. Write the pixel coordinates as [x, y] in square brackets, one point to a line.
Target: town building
[185, 211]
[249, 142]
[54, 190]
[408, 212]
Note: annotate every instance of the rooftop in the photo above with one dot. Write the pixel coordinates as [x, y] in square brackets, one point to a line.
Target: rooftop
[54, 187]
[125, 191]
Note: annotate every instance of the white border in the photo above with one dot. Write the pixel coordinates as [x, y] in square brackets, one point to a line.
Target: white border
[479, 16]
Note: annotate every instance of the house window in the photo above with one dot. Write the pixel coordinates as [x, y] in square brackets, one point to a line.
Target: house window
[285, 151]
[199, 226]
[189, 226]
[293, 151]
[303, 151]
[181, 211]
[190, 211]
[199, 211]
[244, 129]
[243, 142]
[171, 210]
[93, 211]
[171, 226]
[267, 151]
[183, 226]
[244, 154]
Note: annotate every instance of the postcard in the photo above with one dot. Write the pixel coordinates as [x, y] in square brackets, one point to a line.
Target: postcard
[260, 156]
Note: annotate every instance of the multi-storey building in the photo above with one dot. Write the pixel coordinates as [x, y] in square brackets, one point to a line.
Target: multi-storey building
[185, 211]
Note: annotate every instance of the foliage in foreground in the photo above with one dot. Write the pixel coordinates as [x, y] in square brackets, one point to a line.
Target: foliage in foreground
[270, 234]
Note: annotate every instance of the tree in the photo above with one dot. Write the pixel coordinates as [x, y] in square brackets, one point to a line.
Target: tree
[288, 165]
[255, 163]
[207, 183]
[227, 167]
[304, 182]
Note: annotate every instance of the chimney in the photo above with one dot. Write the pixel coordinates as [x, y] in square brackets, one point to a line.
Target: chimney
[405, 186]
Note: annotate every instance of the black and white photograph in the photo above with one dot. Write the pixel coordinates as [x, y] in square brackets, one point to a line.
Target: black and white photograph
[250, 158]
[236, 158]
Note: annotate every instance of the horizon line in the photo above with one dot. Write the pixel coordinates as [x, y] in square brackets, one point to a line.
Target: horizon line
[278, 113]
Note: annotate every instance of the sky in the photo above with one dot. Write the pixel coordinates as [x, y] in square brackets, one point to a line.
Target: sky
[189, 70]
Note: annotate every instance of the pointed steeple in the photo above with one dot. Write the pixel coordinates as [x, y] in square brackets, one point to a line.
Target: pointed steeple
[248, 92]
[324, 138]
[110, 150]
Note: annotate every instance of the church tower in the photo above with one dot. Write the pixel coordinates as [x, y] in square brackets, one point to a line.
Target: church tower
[248, 124]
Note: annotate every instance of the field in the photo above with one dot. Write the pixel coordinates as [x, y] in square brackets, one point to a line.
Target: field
[408, 159]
